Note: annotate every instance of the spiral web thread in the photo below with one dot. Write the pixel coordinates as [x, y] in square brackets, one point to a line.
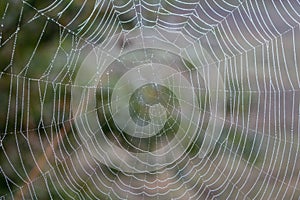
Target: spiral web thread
[254, 46]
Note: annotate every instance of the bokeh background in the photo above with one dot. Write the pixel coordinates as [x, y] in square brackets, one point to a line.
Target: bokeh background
[255, 46]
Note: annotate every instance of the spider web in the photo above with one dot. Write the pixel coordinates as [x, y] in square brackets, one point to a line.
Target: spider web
[160, 99]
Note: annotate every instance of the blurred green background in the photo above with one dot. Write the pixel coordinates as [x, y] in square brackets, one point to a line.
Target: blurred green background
[43, 43]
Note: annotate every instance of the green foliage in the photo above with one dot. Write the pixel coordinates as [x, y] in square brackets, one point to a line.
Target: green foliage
[244, 144]
[238, 100]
